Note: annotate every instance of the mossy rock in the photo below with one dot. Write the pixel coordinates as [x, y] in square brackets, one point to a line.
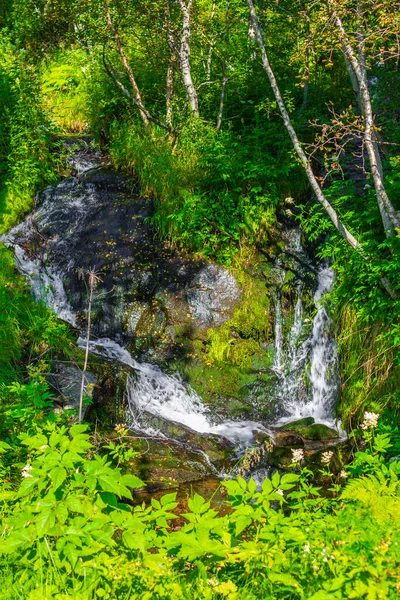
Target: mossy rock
[318, 432]
[281, 457]
[299, 424]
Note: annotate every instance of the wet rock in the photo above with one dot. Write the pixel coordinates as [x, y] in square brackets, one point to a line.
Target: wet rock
[219, 450]
[281, 457]
[98, 221]
[319, 432]
[299, 424]
[212, 295]
[66, 380]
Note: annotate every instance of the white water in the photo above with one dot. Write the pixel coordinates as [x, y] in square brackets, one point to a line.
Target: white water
[166, 396]
[150, 391]
[46, 284]
[278, 364]
[312, 391]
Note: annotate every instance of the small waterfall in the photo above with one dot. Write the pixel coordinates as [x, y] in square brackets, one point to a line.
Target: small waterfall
[309, 382]
[278, 364]
[324, 356]
[167, 397]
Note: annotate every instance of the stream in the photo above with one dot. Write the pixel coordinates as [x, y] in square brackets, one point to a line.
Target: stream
[96, 219]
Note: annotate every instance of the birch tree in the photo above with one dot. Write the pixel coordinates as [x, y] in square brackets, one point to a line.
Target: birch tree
[185, 56]
[293, 135]
[356, 65]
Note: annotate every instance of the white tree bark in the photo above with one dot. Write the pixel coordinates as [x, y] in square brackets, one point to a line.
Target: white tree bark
[293, 136]
[185, 56]
[136, 92]
[224, 77]
[390, 219]
[170, 80]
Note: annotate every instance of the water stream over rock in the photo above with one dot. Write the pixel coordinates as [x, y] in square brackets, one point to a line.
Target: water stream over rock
[97, 220]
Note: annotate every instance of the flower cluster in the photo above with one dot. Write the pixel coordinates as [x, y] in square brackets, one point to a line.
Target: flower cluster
[25, 471]
[370, 420]
[327, 457]
[297, 455]
[121, 429]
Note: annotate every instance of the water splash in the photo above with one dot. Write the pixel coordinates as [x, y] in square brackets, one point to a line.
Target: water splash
[309, 382]
[152, 391]
[278, 364]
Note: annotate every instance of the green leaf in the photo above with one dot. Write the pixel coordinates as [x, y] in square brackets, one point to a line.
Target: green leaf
[168, 498]
[78, 428]
[276, 479]
[284, 578]
[58, 475]
[61, 513]
[45, 522]
[132, 481]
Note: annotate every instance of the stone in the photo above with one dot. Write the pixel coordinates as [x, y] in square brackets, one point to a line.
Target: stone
[318, 432]
[299, 424]
[212, 295]
[66, 380]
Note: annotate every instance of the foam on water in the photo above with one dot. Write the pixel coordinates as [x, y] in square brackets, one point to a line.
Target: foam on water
[309, 376]
[166, 396]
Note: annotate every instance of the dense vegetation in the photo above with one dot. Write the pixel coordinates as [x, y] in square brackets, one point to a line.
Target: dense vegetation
[175, 93]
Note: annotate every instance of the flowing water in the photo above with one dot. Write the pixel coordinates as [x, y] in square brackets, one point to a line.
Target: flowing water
[309, 381]
[149, 390]
[305, 362]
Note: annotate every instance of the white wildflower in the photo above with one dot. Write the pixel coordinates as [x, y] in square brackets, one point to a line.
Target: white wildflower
[297, 455]
[370, 420]
[280, 492]
[307, 548]
[327, 457]
[343, 474]
[213, 582]
[43, 448]
[25, 471]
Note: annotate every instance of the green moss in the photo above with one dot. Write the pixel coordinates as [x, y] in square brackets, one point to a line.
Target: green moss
[299, 424]
[213, 382]
[318, 432]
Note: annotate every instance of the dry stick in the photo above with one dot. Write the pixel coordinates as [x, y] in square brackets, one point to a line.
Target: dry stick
[92, 284]
[293, 136]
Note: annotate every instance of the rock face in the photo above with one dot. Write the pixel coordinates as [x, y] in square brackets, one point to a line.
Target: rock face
[66, 381]
[212, 295]
[97, 221]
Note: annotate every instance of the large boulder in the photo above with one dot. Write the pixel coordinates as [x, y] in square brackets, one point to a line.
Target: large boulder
[212, 295]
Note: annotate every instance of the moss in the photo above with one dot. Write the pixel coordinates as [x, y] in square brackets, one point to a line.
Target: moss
[318, 432]
[213, 382]
[299, 424]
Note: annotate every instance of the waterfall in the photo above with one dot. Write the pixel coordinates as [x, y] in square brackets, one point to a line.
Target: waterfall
[278, 364]
[309, 382]
[324, 356]
[150, 390]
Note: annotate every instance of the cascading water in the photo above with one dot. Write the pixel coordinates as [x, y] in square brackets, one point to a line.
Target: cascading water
[309, 381]
[52, 243]
[150, 390]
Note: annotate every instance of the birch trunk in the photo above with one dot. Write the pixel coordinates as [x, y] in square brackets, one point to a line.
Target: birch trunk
[390, 219]
[293, 136]
[127, 67]
[224, 77]
[185, 56]
[170, 81]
